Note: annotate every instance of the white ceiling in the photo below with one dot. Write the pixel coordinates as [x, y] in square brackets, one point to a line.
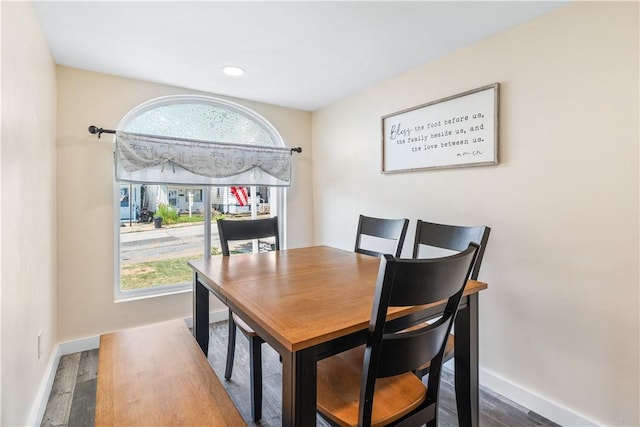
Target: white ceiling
[299, 54]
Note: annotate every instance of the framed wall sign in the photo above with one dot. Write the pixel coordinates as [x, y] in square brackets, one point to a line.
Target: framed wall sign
[460, 130]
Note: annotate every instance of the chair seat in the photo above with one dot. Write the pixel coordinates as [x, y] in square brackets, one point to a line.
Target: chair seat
[246, 329]
[338, 397]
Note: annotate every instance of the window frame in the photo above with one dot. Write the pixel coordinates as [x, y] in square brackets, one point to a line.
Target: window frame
[157, 291]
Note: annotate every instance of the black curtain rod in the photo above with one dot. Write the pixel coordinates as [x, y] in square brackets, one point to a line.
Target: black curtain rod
[96, 130]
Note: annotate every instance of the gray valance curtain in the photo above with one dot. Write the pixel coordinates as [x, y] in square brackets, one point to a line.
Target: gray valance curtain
[168, 160]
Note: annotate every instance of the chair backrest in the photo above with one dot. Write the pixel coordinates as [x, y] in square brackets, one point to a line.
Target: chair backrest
[390, 229]
[451, 237]
[232, 230]
[408, 282]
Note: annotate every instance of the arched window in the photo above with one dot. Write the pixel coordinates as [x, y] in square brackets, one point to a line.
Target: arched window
[203, 118]
[160, 226]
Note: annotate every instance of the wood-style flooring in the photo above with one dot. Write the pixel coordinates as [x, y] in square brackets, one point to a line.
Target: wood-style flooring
[73, 396]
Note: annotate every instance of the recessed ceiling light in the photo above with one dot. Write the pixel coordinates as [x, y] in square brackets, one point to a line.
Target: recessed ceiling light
[232, 70]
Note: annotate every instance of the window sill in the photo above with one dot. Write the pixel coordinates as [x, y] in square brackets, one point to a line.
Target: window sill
[140, 294]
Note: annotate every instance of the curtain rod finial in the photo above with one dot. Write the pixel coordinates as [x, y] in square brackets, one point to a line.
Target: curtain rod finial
[95, 129]
[297, 150]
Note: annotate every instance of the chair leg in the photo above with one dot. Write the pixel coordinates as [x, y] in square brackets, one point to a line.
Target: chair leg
[255, 356]
[231, 347]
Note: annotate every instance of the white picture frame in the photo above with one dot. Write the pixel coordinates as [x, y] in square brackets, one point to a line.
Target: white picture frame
[457, 131]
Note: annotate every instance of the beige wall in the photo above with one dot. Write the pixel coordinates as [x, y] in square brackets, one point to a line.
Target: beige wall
[560, 317]
[85, 200]
[28, 203]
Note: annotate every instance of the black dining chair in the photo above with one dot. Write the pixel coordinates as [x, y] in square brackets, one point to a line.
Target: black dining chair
[452, 238]
[237, 230]
[381, 228]
[375, 384]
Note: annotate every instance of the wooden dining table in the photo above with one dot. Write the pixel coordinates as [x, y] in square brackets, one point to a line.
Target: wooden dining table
[310, 303]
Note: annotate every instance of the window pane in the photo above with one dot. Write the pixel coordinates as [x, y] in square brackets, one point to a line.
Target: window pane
[155, 253]
[201, 121]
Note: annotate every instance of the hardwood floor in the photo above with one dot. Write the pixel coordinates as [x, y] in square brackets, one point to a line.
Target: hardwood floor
[72, 399]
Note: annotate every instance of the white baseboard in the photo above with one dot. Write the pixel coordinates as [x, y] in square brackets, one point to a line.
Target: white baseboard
[89, 343]
[77, 346]
[538, 404]
[42, 397]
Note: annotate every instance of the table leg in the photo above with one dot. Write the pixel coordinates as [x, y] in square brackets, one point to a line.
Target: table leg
[299, 370]
[466, 363]
[201, 314]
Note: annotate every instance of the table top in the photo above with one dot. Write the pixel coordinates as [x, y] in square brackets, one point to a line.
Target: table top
[302, 297]
[224, 271]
